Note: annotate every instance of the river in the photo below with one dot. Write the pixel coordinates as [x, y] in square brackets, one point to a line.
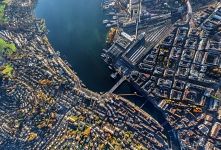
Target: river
[76, 30]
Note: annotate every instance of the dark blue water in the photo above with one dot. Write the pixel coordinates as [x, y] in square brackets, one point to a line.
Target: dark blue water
[76, 30]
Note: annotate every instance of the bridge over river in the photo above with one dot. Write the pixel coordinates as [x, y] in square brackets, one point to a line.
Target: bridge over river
[117, 84]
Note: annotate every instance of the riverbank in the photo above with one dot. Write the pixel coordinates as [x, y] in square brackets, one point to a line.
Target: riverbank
[54, 111]
[84, 56]
[78, 33]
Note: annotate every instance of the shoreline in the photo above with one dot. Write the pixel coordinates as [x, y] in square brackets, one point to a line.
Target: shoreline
[167, 70]
[71, 83]
[95, 94]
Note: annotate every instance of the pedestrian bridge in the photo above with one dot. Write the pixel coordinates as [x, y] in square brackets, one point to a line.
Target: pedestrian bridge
[117, 84]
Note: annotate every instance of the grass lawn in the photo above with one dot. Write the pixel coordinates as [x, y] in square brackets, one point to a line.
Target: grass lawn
[7, 48]
[7, 70]
[2, 10]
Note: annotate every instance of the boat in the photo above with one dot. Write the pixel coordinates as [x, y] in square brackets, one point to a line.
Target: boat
[114, 17]
[105, 21]
[110, 67]
[114, 75]
[105, 7]
[113, 21]
[103, 55]
[83, 85]
[111, 13]
[108, 25]
[114, 24]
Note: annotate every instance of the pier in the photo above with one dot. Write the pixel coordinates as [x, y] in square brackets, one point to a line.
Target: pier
[117, 84]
